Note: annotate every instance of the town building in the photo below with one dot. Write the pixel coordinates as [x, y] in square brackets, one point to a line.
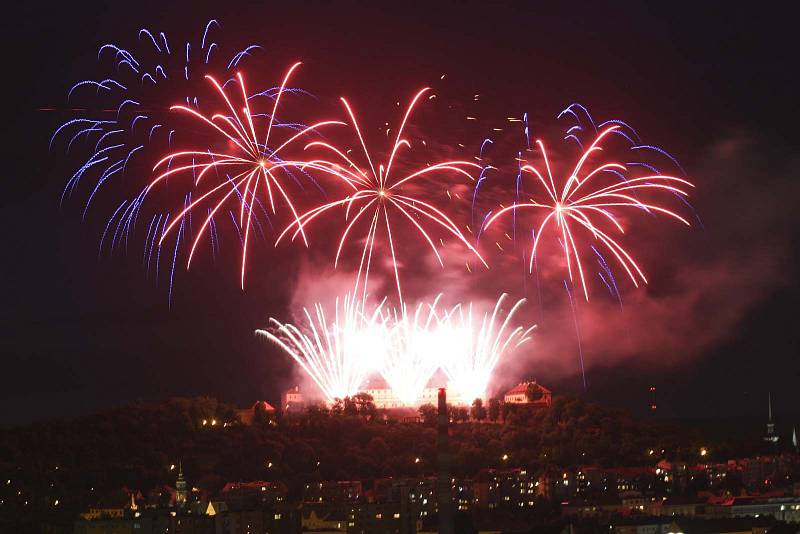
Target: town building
[780, 508]
[324, 522]
[505, 488]
[602, 506]
[333, 492]
[422, 494]
[383, 518]
[252, 494]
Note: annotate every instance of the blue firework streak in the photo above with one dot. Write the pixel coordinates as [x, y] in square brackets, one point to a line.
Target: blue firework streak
[481, 178]
[485, 145]
[607, 277]
[124, 121]
[583, 121]
[584, 124]
[126, 111]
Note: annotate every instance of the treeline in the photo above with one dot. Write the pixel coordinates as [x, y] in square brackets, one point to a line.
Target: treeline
[140, 445]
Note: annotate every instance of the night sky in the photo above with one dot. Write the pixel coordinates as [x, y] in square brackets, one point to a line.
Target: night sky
[715, 330]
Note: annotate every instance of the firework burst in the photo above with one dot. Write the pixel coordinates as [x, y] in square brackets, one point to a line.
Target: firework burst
[249, 164]
[122, 122]
[378, 199]
[589, 201]
[414, 346]
[121, 118]
[337, 352]
[473, 344]
[404, 345]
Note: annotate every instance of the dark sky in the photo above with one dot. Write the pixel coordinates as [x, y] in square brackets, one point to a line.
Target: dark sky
[716, 330]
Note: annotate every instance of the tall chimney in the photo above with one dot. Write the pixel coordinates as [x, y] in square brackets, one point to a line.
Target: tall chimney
[443, 482]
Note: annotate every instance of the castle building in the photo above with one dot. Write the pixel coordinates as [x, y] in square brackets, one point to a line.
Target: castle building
[519, 395]
[384, 397]
[292, 400]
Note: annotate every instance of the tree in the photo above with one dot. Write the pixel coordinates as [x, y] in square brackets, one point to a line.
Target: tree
[533, 392]
[365, 404]
[338, 406]
[478, 412]
[428, 414]
[350, 407]
[508, 409]
[226, 413]
[315, 413]
[378, 449]
[459, 414]
[494, 410]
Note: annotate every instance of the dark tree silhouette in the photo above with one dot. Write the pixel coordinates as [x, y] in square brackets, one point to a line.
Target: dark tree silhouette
[428, 414]
[494, 409]
[533, 392]
[478, 412]
[365, 405]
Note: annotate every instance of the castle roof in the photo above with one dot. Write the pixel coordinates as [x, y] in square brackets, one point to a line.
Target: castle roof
[522, 387]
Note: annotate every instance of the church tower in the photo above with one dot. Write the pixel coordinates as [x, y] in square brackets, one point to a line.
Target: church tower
[771, 435]
[180, 488]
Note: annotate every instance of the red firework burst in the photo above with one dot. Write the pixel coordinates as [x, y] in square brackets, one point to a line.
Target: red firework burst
[586, 203]
[249, 167]
[378, 198]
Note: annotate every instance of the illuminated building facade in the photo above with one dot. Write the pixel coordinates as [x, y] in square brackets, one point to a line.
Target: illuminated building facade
[292, 400]
[519, 395]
